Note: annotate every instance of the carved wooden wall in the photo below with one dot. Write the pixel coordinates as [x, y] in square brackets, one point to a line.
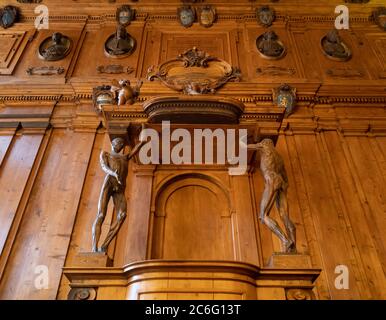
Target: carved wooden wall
[334, 147]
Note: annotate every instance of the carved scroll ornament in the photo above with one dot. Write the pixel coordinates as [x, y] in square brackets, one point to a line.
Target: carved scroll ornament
[194, 72]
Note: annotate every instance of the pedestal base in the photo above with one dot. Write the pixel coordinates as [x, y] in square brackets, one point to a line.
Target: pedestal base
[93, 260]
[289, 261]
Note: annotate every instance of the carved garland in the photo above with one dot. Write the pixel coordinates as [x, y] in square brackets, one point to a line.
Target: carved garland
[194, 72]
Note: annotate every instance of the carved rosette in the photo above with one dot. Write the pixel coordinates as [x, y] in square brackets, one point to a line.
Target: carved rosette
[82, 294]
[194, 72]
[299, 294]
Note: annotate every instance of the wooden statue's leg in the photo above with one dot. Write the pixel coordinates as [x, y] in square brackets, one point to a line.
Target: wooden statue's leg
[282, 205]
[102, 209]
[121, 209]
[268, 198]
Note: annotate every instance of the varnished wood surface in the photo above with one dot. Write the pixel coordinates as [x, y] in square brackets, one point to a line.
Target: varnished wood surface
[334, 148]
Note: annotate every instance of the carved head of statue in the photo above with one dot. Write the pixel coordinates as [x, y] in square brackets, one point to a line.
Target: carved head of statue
[333, 36]
[57, 37]
[117, 144]
[124, 83]
[268, 143]
[270, 35]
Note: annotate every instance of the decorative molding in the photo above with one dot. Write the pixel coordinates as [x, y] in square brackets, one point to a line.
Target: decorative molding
[194, 72]
[114, 69]
[45, 71]
[82, 294]
[272, 70]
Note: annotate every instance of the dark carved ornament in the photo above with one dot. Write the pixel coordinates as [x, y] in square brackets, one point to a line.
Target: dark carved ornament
[299, 294]
[194, 72]
[285, 97]
[272, 70]
[119, 93]
[45, 71]
[265, 16]
[379, 17]
[8, 16]
[125, 15]
[186, 16]
[114, 69]
[334, 48]
[207, 16]
[29, 1]
[82, 294]
[269, 46]
[120, 44]
[54, 48]
[356, 1]
[193, 109]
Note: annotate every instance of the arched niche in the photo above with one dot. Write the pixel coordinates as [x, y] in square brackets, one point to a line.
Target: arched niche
[193, 220]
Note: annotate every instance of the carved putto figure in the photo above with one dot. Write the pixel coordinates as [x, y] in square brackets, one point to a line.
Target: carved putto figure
[115, 165]
[275, 191]
[55, 48]
[334, 48]
[124, 93]
[269, 45]
[120, 44]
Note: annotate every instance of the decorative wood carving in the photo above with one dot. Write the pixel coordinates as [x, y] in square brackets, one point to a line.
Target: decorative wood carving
[12, 45]
[54, 48]
[269, 46]
[265, 16]
[344, 73]
[186, 16]
[44, 71]
[120, 44]
[207, 16]
[334, 48]
[194, 72]
[272, 70]
[114, 69]
[299, 294]
[82, 294]
[125, 15]
[379, 16]
[8, 16]
[102, 95]
[285, 96]
[208, 109]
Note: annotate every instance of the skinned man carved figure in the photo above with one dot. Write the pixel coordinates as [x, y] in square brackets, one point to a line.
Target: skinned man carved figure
[275, 190]
[115, 165]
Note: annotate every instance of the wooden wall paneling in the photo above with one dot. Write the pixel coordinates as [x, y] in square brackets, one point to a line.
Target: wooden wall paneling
[13, 178]
[374, 48]
[368, 178]
[5, 142]
[330, 234]
[356, 270]
[365, 249]
[246, 221]
[31, 58]
[134, 246]
[46, 228]
[81, 238]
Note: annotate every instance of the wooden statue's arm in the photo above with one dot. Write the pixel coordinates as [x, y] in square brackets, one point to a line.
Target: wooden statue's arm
[105, 167]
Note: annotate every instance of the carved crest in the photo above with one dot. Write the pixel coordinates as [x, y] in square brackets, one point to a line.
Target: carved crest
[102, 95]
[334, 48]
[194, 72]
[269, 46]
[8, 16]
[285, 97]
[125, 15]
[186, 16]
[207, 16]
[379, 16]
[265, 16]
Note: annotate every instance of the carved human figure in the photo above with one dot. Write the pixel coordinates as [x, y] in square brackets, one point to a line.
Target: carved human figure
[270, 46]
[115, 165]
[124, 93]
[275, 190]
[58, 49]
[121, 43]
[333, 47]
